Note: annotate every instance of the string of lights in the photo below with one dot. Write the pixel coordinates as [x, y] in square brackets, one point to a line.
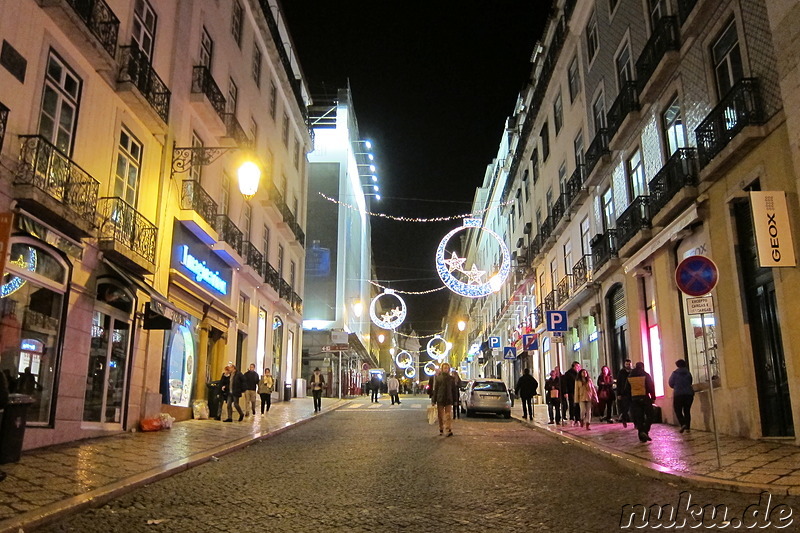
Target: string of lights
[409, 336]
[407, 292]
[413, 219]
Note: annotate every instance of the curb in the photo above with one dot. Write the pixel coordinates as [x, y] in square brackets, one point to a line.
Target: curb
[94, 498]
[659, 471]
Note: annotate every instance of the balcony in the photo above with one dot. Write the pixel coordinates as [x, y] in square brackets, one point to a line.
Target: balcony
[126, 236]
[229, 247]
[142, 89]
[674, 186]
[538, 315]
[299, 234]
[198, 211]
[597, 155]
[535, 247]
[559, 214]
[660, 55]
[273, 202]
[633, 226]
[207, 100]
[234, 133]
[694, 16]
[575, 192]
[297, 303]
[3, 122]
[285, 290]
[604, 254]
[740, 108]
[253, 258]
[271, 277]
[621, 114]
[545, 232]
[54, 188]
[582, 272]
[685, 8]
[91, 26]
[563, 290]
[549, 301]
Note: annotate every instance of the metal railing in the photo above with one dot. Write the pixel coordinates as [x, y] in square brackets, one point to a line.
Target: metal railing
[229, 233]
[125, 225]
[203, 83]
[3, 122]
[194, 197]
[559, 209]
[635, 218]
[685, 8]
[564, 289]
[679, 171]
[297, 303]
[299, 234]
[626, 102]
[535, 246]
[549, 301]
[538, 314]
[48, 169]
[582, 272]
[253, 257]
[272, 277]
[135, 68]
[100, 20]
[574, 185]
[235, 131]
[285, 290]
[546, 229]
[665, 37]
[569, 7]
[739, 108]
[604, 247]
[596, 150]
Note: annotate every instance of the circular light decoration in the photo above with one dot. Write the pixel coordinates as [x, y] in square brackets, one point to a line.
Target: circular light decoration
[411, 372]
[475, 286]
[392, 318]
[403, 359]
[438, 348]
[430, 368]
[16, 282]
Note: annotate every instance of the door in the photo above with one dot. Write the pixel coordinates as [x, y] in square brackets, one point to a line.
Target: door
[108, 368]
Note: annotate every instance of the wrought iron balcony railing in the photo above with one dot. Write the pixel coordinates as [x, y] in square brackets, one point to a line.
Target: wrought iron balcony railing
[739, 108]
[235, 131]
[272, 277]
[297, 303]
[582, 272]
[569, 7]
[635, 218]
[685, 8]
[546, 229]
[627, 101]
[574, 185]
[549, 301]
[299, 234]
[558, 211]
[48, 169]
[203, 83]
[536, 245]
[3, 122]
[286, 214]
[680, 171]
[564, 289]
[136, 69]
[194, 197]
[100, 20]
[125, 225]
[538, 314]
[596, 150]
[604, 247]
[229, 233]
[665, 37]
[285, 290]
[253, 257]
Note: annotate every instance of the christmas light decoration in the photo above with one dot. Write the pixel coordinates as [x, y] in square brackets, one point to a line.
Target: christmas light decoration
[475, 286]
[403, 359]
[16, 282]
[430, 368]
[392, 318]
[438, 348]
[408, 292]
[411, 372]
[408, 335]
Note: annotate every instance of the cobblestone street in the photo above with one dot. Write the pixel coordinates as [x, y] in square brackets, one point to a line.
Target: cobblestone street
[377, 467]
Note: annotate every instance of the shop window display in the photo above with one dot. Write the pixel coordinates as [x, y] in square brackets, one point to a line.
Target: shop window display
[178, 369]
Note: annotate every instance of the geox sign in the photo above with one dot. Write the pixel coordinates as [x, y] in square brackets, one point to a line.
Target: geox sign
[771, 227]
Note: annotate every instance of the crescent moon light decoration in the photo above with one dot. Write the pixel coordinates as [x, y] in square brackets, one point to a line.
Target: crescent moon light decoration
[474, 287]
[434, 347]
[403, 359]
[411, 372]
[391, 319]
[430, 368]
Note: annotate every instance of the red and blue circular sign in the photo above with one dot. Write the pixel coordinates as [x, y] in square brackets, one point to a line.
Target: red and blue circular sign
[697, 275]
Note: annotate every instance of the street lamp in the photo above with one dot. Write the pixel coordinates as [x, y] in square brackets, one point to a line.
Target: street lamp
[249, 173]
[358, 309]
[462, 325]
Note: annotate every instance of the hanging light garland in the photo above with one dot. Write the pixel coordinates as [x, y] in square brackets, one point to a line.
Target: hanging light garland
[409, 336]
[392, 318]
[407, 292]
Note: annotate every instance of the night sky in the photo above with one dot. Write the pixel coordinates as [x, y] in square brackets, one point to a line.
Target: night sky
[432, 84]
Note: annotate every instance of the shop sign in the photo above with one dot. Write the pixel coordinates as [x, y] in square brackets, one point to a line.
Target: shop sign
[202, 274]
[771, 227]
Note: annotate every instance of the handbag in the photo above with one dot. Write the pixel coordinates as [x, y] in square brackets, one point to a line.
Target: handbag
[433, 416]
[554, 393]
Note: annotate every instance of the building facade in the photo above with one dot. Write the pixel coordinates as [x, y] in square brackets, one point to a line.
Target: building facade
[136, 268]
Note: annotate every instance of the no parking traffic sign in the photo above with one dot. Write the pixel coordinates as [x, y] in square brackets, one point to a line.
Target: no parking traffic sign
[696, 275]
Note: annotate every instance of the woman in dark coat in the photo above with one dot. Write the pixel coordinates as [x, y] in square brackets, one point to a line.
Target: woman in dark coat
[552, 388]
[605, 394]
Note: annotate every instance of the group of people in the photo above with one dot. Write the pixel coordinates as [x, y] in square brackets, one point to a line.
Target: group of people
[573, 395]
[235, 384]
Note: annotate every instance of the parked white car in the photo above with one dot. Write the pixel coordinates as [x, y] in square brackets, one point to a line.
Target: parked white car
[487, 396]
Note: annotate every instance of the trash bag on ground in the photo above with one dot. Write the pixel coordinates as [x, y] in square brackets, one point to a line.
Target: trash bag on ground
[166, 420]
[200, 410]
[150, 424]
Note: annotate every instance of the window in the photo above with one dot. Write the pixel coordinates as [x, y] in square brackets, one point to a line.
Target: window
[586, 247]
[674, 132]
[244, 308]
[624, 66]
[592, 37]
[553, 274]
[658, 9]
[558, 113]
[535, 164]
[637, 183]
[273, 99]
[62, 89]
[247, 216]
[548, 198]
[233, 96]
[206, 49]
[196, 170]
[224, 203]
[577, 146]
[144, 27]
[545, 135]
[573, 79]
[599, 113]
[295, 207]
[526, 186]
[279, 266]
[129, 162]
[254, 131]
[297, 153]
[562, 176]
[292, 279]
[237, 21]
[265, 242]
[568, 264]
[609, 218]
[727, 60]
[257, 64]
[286, 130]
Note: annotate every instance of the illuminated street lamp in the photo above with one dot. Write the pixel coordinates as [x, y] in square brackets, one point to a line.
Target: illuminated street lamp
[249, 177]
[462, 325]
[249, 172]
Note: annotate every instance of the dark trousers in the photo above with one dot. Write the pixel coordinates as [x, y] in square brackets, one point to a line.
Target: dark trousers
[643, 412]
[554, 407]
[395, 397]
[565, 410]
[527, 406]
[624, 406]
[233, 401]
[574, 410]
[456, 410]
[266, 401]
[606, 407]
[317, 394]
[682, 404]
[375, 392]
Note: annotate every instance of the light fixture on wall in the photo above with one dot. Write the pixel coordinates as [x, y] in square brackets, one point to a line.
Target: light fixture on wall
[248, 173]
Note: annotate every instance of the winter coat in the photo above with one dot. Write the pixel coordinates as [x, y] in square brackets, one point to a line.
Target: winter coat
[267, 385]
[622, 382]
[393, 384]
[605, 385]
[640, 383]
[526, 386]
[225, 385]
[568, 382]
[681, 382]
[551, 384]
[585, 392]
[251, 380]
[444, 387]
[237, 384]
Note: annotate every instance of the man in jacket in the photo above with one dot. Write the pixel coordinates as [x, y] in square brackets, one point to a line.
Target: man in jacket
[643, 394]
[234, 392]
[444, 398]
[526, 390]
[317, 383]
[683, 397]
[624, 393]
[375, 387]
[552, 389]
[568, 390]
[250, 390]
[393, 385]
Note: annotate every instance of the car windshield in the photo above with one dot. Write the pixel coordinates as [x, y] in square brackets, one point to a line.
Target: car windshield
[491, 386]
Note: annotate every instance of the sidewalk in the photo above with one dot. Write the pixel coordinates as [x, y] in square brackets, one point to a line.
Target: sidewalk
[49, 482]
[747, 465]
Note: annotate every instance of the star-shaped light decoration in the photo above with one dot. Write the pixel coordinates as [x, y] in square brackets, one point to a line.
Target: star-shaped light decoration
[475, 275]
[388, 316]
[455, 263]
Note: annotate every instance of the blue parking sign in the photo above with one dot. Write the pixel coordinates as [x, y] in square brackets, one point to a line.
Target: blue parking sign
[494, 342]
[556, 320]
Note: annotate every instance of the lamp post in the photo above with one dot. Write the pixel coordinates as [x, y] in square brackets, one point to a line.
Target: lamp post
[249, 173]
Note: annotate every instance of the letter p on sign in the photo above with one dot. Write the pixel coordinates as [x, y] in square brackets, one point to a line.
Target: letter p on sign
[556, 320]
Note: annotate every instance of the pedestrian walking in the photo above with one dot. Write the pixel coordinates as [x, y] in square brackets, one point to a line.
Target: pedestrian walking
[394, 386]
[265, 387]
[568, 390]
[317, 383]
[456, 393]
[444, 397]
[526, 390]
[683, 397]
[375, 387]
[605, 394]
[585, 396]
[251, 379]
[624, 393]
[234, 392]
[224, 388]
[552, 389]
[643, 394]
